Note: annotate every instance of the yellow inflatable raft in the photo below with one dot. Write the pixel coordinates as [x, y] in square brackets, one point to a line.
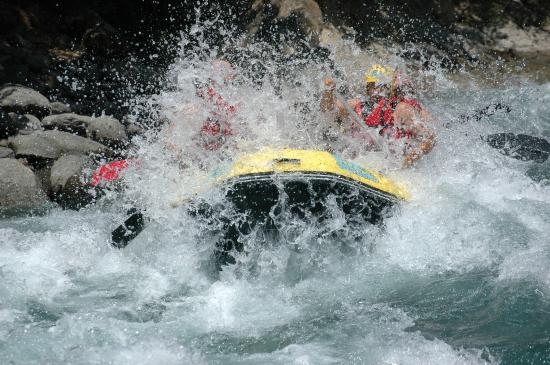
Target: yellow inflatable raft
[307, 182]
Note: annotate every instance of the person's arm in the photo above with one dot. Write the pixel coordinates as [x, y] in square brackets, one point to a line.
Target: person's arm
[328, 100]
[425, 116]
[427, 142]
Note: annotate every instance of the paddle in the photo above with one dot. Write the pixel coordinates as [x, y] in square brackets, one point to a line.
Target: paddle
[135, 223]
[520, 146]
[127, 231]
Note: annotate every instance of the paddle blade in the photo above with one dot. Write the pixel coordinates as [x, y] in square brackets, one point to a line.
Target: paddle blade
[520, 146]
[127, 231]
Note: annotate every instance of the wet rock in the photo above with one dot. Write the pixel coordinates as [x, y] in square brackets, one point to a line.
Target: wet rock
[309, 9]
[6, 152]
[43, 176]
[32, 123]
[35, 145]
[67, 183]
[522, 41]
[19, 187]
[97, 41]
[23, 123]
[9, 126]
[271, 16]
[67, 122]
[107, 130]
[41, 147]
[23, 100]
[134, 130]
[133, 126]
[59, 108]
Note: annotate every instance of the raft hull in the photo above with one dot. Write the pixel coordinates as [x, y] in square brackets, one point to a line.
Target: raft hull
[267, 189]
[307, 195]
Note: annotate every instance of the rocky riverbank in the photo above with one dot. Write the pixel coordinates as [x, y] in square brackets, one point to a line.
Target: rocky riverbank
[48, 152]
[70, 71]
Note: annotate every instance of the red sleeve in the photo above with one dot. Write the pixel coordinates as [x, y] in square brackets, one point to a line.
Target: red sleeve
[109, 172]
[373, 119]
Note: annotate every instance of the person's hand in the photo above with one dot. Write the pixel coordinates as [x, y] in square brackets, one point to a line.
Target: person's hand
[329, 83]
[411, 157]
[353, 102]
[408, 161]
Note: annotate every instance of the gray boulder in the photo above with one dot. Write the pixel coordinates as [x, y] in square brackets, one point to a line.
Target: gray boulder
[67, 181]
[107, 130]
[50, 145]
[32, 123]
[14, 123]
[23, 100]
[67, 122]
[23, 123]
[307, 12]
[19, 187]
[6, 152]
[9, 126]
[35, 145]
[57, 107]
[133, 126]
[530, 42]
[134, 130]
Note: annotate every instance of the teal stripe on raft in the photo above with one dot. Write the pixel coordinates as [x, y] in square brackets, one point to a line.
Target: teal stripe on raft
[353, 168]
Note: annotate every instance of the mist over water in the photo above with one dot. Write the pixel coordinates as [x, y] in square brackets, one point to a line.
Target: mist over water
[458, 275]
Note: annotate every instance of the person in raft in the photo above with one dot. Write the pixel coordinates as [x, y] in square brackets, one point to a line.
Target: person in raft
[212, 135]
[217, 127]
[212, 110]
[401, 120]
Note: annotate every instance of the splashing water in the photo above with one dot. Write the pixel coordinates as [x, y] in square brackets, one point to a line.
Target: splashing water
[459, 276]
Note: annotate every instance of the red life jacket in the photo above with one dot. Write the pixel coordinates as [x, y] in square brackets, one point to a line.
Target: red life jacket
[213, 133]
[382, 116]
[216, 127]
[112, 171]
[217, 100]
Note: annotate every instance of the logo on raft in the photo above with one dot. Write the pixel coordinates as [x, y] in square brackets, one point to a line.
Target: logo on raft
[353, 168]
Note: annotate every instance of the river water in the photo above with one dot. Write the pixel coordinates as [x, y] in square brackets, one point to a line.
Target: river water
[458, 275]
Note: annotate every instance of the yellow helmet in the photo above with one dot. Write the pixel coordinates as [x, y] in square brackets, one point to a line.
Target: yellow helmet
[378, 74]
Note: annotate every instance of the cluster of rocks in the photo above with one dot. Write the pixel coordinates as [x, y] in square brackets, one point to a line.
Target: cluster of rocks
[48, 153]
[85, 53]
[458, 32]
